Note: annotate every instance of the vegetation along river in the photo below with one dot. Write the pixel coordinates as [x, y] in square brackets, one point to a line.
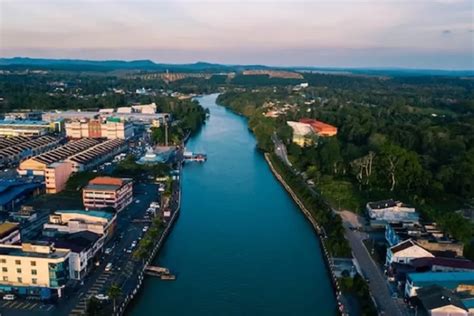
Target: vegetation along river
[241, 246]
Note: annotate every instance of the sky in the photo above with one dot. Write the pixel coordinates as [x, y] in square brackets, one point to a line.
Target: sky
[435, 34]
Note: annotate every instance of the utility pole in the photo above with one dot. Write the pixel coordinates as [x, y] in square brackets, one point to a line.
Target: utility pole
[166, 133]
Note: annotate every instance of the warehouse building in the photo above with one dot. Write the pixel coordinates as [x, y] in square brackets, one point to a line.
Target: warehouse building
[23, 148]
[24, 128]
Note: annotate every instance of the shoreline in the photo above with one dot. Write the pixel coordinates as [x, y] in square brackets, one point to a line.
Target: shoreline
[317, 229]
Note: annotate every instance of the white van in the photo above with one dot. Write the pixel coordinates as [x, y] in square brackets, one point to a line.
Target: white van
[108, 267]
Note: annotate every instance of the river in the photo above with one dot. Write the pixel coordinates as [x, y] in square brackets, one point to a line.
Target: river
[240, 246]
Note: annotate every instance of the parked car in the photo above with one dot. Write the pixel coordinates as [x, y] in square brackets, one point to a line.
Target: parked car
[102, 297]
[9, 297]
[108, 267]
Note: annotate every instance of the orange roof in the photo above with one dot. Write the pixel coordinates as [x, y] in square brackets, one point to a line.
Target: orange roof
[107, 181]
[320, 127]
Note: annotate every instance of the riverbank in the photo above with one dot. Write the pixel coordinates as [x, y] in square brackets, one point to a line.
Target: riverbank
[317, 228]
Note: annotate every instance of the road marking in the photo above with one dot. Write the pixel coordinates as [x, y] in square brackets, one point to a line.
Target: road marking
[33, 306]
[50, 307]
[22, 305]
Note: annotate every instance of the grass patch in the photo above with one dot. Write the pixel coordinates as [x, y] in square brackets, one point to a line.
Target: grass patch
[341, 194]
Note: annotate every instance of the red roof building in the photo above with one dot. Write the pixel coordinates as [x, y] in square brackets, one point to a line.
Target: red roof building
[320, 128]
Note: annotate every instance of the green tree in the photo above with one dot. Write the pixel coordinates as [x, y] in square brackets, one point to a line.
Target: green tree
[114, 293]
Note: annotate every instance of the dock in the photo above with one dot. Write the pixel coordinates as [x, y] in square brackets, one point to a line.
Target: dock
[190, 156]
[161, 272]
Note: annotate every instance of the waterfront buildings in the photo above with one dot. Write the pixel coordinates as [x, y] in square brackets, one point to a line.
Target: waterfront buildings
[9, 233]
[159, 154]
[448, 280]
[391, 211]
[302, 133]
[111, 128]
[17, 148]
[321, 129]
[24, 128]
[406, 251]
[34, 269]
[73, 221]
[102, 192]
[440, 301]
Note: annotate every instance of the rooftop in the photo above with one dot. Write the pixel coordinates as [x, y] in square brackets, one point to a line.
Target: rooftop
[13, 250]
[435, 296]
[7, 228]
[23, 122]
[446, 279]
[96, 213]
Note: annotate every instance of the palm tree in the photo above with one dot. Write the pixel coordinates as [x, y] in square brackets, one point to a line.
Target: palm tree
[114, 292]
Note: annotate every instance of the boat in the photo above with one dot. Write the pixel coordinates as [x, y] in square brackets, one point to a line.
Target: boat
[190, 156]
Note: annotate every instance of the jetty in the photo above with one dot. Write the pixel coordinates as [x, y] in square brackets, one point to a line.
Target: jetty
[190, 156]
[161, 272]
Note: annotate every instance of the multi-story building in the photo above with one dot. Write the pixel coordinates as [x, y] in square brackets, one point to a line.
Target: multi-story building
[85, 247]
[302, 133]
[449, 280]
[111, 128]
[34, 269]
[73, 221]
[406, 251]
[103, 192]
[24, 128]
[9, 233]
[131, 116]
[80, 155]
[56, 176]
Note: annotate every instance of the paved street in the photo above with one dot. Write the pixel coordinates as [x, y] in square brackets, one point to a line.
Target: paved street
[280, 149]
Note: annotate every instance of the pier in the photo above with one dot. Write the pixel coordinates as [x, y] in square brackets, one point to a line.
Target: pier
[162, 273]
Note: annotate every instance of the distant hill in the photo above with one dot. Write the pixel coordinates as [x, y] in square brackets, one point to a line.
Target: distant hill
[148, 65]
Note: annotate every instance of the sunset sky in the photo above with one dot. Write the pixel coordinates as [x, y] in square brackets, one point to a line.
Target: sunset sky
[350, 33]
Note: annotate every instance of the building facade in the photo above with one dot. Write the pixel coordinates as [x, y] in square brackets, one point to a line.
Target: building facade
[33, 269]
[24, 128]
[56, 176]
[104, 192]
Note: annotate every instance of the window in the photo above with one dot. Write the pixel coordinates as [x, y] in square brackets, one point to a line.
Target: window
[18, 270]
[33, 263]
[3, 260]
[4, 269]
[5, 278]
[20, 280]
[34, 272]
[17, 261]
[34, 281]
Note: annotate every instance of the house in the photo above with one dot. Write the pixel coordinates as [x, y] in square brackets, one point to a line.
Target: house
[449, 280]
[406, 251]
[391, 211]
[302, 133]
[428, 236]
[439, 301]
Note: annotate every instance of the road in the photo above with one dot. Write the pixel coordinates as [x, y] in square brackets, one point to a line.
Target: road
[377, 282]
[280, 149]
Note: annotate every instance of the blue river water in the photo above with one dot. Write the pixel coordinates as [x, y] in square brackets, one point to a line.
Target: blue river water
[240, 245]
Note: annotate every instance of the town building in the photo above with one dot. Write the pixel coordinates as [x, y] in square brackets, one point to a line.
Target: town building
[81, 115]
[56, 176]
[85, 247]
[24, 128]
[111, 128]
[449, 280]
[23, 115]
[159, 154]
[302, 133]
[405, 252]
[391, 211]
[14, 191]
[73, 221]
[37, 164]
[103, 192]
[439, 301]
[321, 129]
[9, 233]
[39, 270]
[441, 264]
[17, 148]
[428, 236]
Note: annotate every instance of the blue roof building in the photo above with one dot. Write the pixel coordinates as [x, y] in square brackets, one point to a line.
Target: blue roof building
[449, 280]
[14, 191]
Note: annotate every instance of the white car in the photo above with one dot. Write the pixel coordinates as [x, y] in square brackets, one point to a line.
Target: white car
[108, 251]
[9, 297]
[102, 297]
[108, 267]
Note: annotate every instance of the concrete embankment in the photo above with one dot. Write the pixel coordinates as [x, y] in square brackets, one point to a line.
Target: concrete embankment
[316, 227]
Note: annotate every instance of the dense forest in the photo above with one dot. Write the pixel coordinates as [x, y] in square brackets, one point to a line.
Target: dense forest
[405, 138]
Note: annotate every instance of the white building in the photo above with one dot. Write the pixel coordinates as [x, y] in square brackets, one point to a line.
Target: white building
[391, 211]
[406, 251]
[9, 233]
[73, 221]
